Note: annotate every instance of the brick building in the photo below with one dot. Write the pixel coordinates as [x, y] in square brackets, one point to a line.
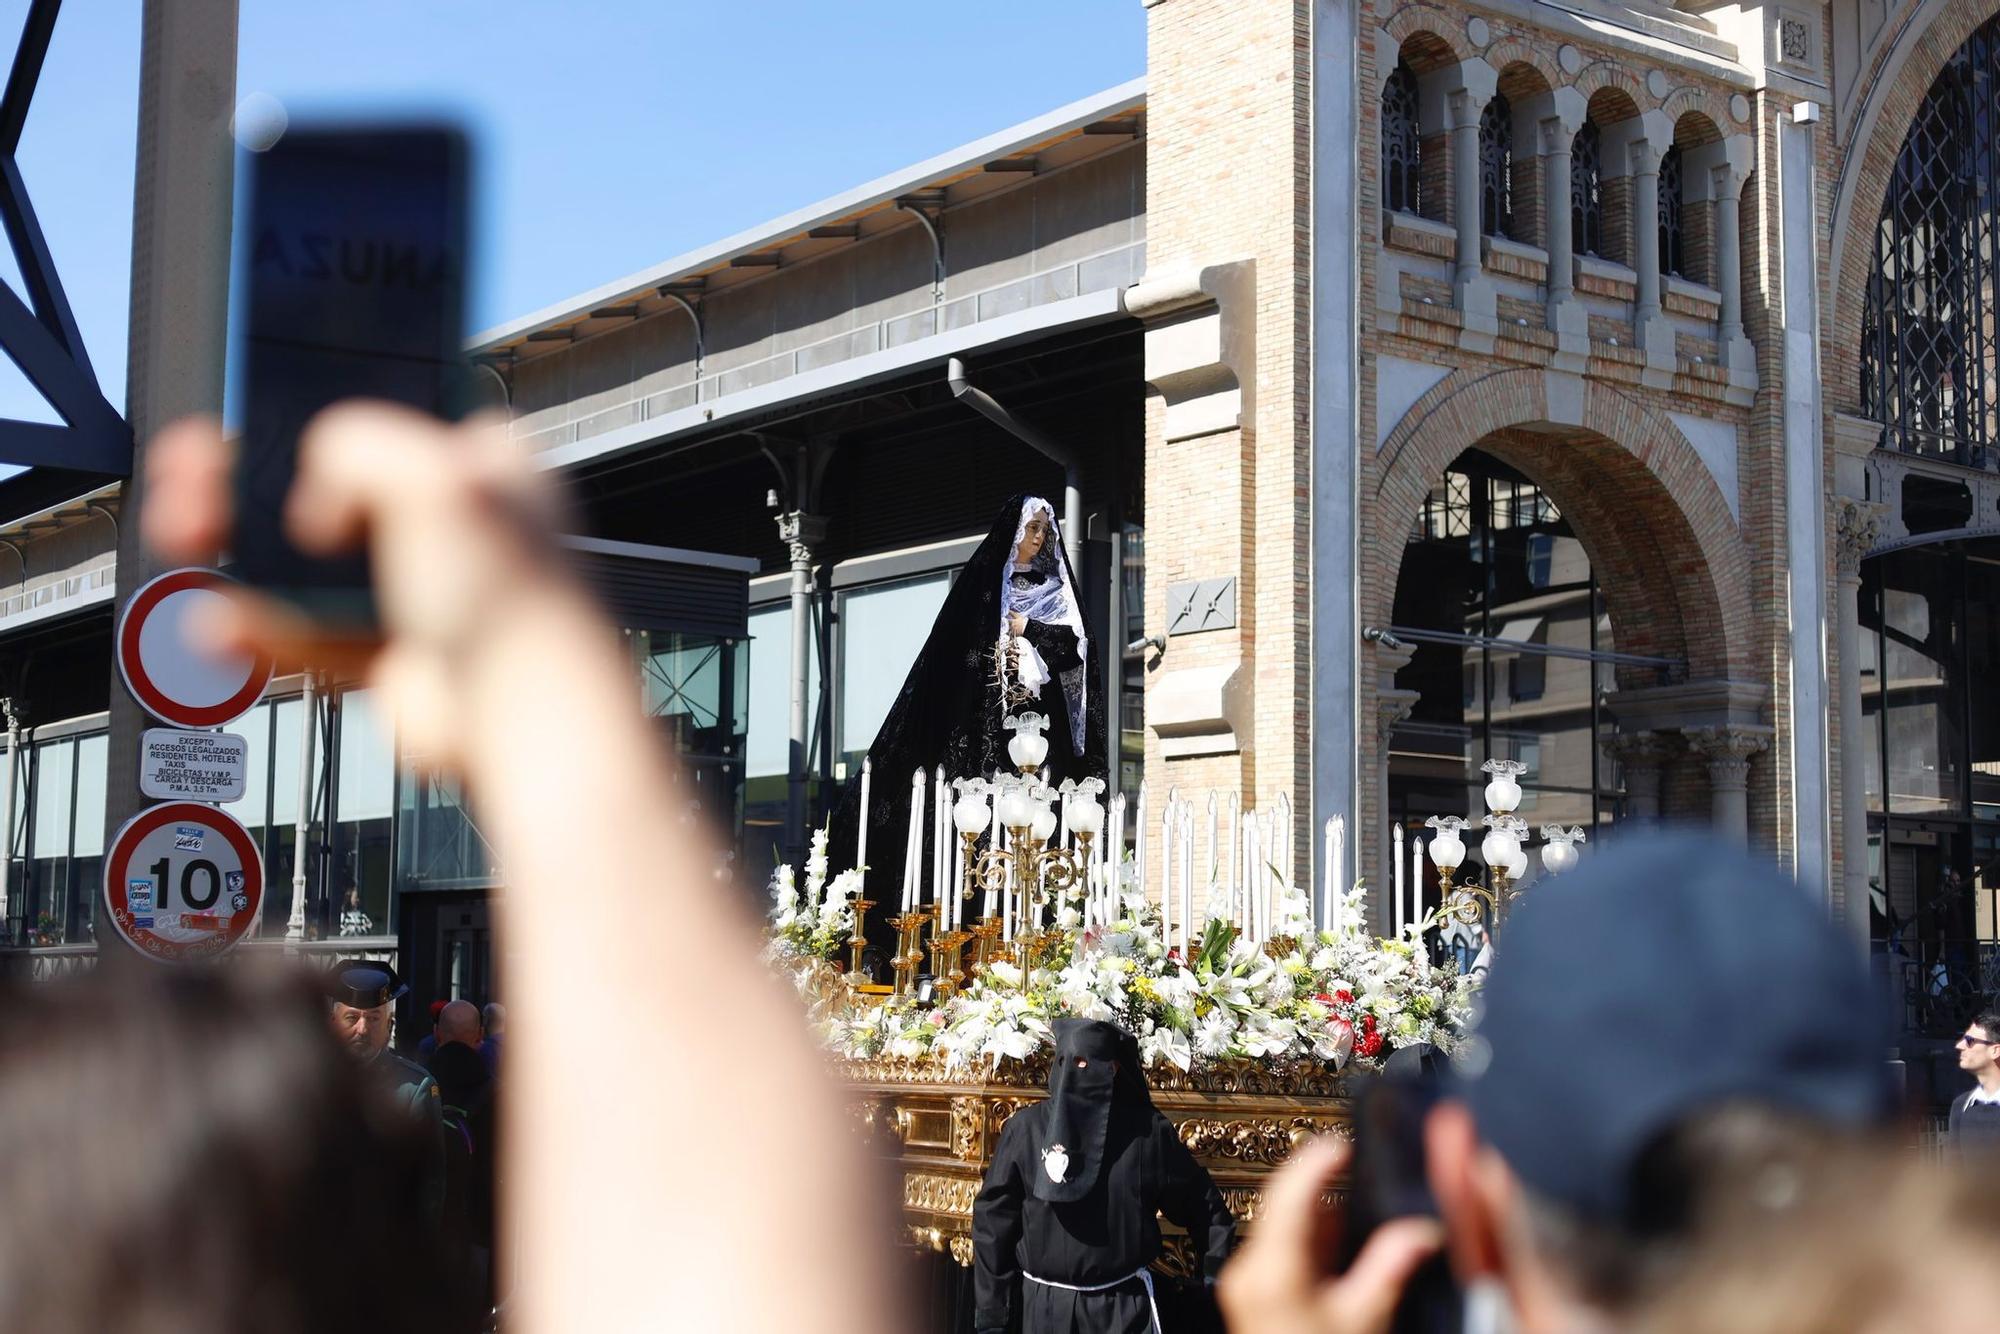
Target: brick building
[1608, 385]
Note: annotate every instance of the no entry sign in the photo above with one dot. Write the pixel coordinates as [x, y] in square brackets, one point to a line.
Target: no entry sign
[183, 881]
[173, 675]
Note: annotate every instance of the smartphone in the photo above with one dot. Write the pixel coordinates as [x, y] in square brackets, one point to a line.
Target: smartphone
[1389, 1181]
[355, 270]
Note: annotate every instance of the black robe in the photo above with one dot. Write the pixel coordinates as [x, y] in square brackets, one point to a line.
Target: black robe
[948, 713]
[1110, 1233]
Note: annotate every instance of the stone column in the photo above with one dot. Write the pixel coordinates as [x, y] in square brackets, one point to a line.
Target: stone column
[1640, 756]
[1555, 189]
[1856, 524]
[1645, 162]
[1727, 187]
[1727, 751]
[1465, 107]
[1393, 703]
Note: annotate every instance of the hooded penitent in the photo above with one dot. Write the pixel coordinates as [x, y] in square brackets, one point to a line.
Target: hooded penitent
[959, 691]
[1096, 1065]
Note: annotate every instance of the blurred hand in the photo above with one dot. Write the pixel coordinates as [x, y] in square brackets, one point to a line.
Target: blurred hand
[1277, 1283]
[459, 526]
[1017, 624]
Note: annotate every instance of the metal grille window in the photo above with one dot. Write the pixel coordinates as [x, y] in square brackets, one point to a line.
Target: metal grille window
[1673, 244]
[1928, 343]
[1496, 164]
[1402, 179]
[1586, 202]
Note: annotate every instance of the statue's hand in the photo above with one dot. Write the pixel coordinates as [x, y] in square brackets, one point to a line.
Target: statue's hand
[1017, 624]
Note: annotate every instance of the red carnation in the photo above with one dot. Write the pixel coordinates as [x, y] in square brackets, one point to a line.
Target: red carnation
[1344, 996]
[1370, 1044]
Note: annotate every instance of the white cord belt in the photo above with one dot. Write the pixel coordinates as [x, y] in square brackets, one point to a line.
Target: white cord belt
[1145, 1277]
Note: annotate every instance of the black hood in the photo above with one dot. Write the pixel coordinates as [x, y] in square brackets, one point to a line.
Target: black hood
[1096, 1068]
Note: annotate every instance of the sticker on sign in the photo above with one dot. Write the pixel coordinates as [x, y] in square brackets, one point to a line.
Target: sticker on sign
[192, 766]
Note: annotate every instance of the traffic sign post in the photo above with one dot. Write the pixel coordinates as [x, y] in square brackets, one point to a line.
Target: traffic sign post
[183, 881]
[174, 676]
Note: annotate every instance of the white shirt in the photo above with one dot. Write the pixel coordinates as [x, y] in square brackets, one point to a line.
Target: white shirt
[1982, 1094]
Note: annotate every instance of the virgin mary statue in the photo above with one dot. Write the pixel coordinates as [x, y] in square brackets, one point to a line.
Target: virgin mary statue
[1010, 639]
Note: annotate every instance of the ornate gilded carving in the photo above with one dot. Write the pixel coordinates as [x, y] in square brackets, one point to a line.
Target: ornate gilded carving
[1265, 1141]
[938, 1194]
[1287, 1079]
[961, 1249]
[1177, 1259]
[967, 1119]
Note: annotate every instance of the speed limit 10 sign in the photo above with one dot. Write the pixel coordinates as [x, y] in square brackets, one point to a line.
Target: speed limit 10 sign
[183, 881]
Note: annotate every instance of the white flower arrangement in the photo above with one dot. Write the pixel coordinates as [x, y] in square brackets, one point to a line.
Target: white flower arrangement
[1337, 995]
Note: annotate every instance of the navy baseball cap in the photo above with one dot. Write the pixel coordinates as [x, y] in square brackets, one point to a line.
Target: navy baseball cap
[1665, 976]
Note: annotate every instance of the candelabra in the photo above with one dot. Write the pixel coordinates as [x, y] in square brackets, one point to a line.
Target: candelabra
[986, 943]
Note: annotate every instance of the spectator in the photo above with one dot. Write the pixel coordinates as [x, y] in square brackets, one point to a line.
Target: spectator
[1975, 1118]
[495, 1015]
[458, 1022]
[465, 1089]
[428, 1043]
[1652, 1043]
[206, 1119]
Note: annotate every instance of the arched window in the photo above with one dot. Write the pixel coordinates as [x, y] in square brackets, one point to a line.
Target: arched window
[1586, 202]
[1496, 167]
[1928, 343]
[1673, 240]
[1402, 179]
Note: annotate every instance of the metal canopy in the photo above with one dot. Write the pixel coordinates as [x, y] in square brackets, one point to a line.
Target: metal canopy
[43, 340]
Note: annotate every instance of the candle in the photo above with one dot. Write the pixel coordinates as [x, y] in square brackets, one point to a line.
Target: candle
[913, 852]
[1214, 866]
[1328, 902]
[1417, 878]
[1396, 861]
[1340, 861]
[1167, 870]
[1139, 845]
[1281, 843]
[1246, 910]
[1187, 877]
[1112, 853]
[861, 834]
[1235, 848]
[993, 842]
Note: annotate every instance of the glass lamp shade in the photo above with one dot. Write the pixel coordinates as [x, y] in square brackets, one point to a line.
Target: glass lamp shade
[1015, 808]
[1519, 866]
[1503, 794]
[1085, 816]
[1499, 848]
[1028, 749]
[1044, 823]
[1558, 856]
[969, 815]
[1447, 851]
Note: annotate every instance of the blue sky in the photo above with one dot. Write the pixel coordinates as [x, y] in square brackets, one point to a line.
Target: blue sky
[613, 133]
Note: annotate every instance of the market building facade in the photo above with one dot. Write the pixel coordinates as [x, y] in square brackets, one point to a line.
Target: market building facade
[1608, 386]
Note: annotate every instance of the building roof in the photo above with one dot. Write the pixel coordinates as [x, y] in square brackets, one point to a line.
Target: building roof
[843, 219]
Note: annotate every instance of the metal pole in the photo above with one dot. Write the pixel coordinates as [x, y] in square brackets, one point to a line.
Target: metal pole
[7, 818]
[182, 204]
[295, 929]
[800, 532]
[1040, 441]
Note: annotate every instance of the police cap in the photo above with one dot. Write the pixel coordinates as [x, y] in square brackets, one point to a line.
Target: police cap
[364, 983]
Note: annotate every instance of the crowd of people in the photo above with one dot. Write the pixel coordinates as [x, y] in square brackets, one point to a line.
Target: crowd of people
[1675, 1114]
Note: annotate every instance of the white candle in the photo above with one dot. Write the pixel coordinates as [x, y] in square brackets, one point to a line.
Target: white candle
[1271, 854]
[1246, 910]
[992, 842]
[1212, 870]
[861, 834]
[1187, 879]
[1167, 871]
[1281, 843]
[1235, 847]
[913, 853]
[1396, 861]
[1328, 903]
[1340, 861]
[1113, 855]
[1417, 878]
[1139, 843]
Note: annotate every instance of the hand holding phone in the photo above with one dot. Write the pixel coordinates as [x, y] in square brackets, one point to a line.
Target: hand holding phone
[355, 263]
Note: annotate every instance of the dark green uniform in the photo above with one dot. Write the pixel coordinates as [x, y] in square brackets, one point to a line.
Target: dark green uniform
[416, 1092]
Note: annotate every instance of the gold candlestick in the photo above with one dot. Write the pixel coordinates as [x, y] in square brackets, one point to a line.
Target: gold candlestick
[910, 949]
[859, 938]
[947, 952]
[987, 936]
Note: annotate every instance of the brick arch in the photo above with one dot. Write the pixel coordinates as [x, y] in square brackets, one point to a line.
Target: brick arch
[1510, 51]
[1884, 119]
[1650, 516]
[1431, 21]
[1602, 74]
[1706, 103]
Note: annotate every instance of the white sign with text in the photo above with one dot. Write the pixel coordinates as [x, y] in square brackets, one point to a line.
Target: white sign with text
[192, 766]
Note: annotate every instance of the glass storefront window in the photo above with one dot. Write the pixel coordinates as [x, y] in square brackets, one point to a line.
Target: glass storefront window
[49, 826]
[87, 835]
[364, 801]
[882, 629]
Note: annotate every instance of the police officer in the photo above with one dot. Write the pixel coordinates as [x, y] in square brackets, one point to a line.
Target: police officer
[361, 992]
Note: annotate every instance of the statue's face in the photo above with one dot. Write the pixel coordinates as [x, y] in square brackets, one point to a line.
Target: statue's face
[1032, 537]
